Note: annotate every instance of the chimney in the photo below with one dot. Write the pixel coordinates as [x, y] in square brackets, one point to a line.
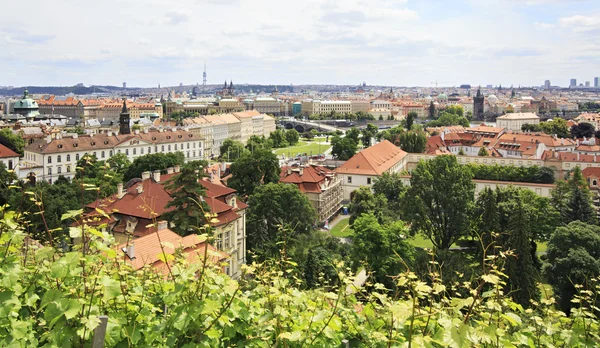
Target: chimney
[162, 225]
[289, 170]
[140, 188]
[109, 134]
[156, 175]
[578, 156]
[137, 131]
[170, 170]
[131, 251]
[301, 171]
[75, 136]
[48, 138]
[120, 193]
[177, 168]
[145, 130]
[145, 175]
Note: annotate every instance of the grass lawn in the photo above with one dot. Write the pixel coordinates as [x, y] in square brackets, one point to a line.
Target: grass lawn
[310, 148]
[342, 229]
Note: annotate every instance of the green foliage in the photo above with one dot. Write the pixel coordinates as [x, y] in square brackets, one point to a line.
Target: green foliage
[277, 213]
[573, 259]
[414, 141]
[449, 119]
[533, 174]
[354, 134]
[11, 140]
[119, 163]
[383, 250]
[343, 148]
[231, 150]
[187, 210]
[277, 138]
[573, 200]
[440, 199]
[256, 142]
[410, 120]
[152, 162]
[51, 298]
[6, 179]
[483, 152]
[557, 126]
[582, 130]
[365, 202]
[368, 134]
[292, 137]
[254, 169]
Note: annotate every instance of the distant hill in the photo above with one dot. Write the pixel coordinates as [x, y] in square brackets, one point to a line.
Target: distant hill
[62, 90]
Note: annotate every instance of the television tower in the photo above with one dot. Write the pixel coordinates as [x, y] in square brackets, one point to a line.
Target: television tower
[204, 75]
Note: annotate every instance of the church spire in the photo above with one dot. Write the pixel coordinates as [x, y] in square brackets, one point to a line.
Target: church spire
[124, 119]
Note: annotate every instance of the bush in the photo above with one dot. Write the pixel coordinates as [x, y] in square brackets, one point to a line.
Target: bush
[533, 174]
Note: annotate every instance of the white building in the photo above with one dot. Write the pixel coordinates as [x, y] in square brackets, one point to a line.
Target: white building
[515, 121]
[310, 107]
[10, 159]
[50, 158]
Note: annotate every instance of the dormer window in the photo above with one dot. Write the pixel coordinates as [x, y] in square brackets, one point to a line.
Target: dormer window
[60, 146]
[105, 142]
[179, 136]
[168, 137]
[75, 145]
[93, 143]
[153, 138]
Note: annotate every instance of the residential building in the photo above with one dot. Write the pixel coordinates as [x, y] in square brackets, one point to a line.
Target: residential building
[135, 207]
[359, 105]
[10, 159]
[310, 107]
[247, 129]
[592, 175]
[230, 105]
[321, 186]
[147, 251]
[203, 129]
[369, 164]
[50, 158]
[514, 121]
[267, 105]
[591, 118]
[381, 104]
[269, 125]
[234, 126]
[220, 132]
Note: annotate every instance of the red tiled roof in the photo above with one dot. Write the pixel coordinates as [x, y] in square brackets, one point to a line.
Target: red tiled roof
[591, 171]
[5, 152]
[374, 160]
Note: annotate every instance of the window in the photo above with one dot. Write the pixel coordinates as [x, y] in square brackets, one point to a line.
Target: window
[368, 181]
[102, 154]
[59, 170]
[149, 149]
[142, 150]
[594, 183]
[77, 157]
[134, 151]
[127, 152]
[68, 169]
[68, 158]
[110, 153]
[58, 159]
[219, 241]
[162, 148]
[169, 147]
[10, 165]
[49, 171]
[49, 159]
[349, 179]
[227, 239]
[175, 147]
[188, 146]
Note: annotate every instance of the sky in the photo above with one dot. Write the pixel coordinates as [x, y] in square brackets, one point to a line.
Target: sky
[380, 42]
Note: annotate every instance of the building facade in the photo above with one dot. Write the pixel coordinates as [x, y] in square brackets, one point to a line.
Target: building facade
[514, 121]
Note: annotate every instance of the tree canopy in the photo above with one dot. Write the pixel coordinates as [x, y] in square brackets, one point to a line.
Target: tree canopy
[152, 162]
[343, 148]
[11, 140]
[231, 150]
[252, 170]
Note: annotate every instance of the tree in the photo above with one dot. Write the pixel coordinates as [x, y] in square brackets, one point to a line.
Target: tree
[276, 214]
[580, 206]
[152, 162]
[252, 170]
[392, 188]
[483, 152]
[353, 133]
[432, 110]
[6, 178]
[414, 141]
[231, 150]
[343, 148]
[520, 268]
[368, 133]
[380, 117]
[186, 211]
[292, 137]
[440, 199]
[365, 202]
[256, 142]
[11, 140]
[380, 247]
[410, 119]
[119, 163]
[573, 258]
[583, 130]
[277, 138]
[557, 126]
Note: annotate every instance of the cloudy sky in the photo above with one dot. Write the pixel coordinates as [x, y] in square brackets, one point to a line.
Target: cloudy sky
[384, 42]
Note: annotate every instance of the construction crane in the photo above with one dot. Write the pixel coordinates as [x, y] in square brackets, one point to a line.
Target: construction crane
[436, 83]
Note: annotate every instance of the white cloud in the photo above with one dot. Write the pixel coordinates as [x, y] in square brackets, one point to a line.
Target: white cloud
[542, 25]
[580, 23]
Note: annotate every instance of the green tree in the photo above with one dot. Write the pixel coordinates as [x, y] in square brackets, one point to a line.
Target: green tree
[6, 179]
[557, 126]
[368, 134]
[11, 140]
[119, 163]
[381, 247]
[580, 206]
[410, 119]
[252, 170]
[276, 214]
[186, 211]
[277, 138]
[573, 258]
[413, 141]
[365, 202]
[582, 130]
[354, 134]
[256, 142]
[292, 137]
[231, 150]
[432, 111]
[152, 162]
[483, 152]
[440, 200]
[343, 148]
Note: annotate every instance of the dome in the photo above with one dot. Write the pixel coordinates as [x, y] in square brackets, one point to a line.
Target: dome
[26, 102]
[442, 96]
[492, 98]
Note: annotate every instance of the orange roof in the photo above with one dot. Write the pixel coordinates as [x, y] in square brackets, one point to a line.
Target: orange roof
[148, 251]
[435, 146]
[591, 171]
[309, 181]
[6, 152]
[374, 160]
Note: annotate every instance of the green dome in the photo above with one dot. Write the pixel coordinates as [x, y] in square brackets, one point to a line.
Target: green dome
[26, 102]
[442, 96]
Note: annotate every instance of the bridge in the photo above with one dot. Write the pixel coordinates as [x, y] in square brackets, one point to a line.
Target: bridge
[306, 126]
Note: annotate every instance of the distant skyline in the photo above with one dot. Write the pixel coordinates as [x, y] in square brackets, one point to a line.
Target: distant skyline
[388, 42]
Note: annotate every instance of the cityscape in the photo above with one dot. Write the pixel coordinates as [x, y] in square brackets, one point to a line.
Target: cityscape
[326, 175]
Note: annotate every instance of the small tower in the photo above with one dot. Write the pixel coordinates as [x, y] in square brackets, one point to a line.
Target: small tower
[231, 88]
[275, 93]
[204, 75]
[478, 105]
[124, 119]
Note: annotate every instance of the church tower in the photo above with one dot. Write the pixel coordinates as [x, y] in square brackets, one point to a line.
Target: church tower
[478, 106]
[124, 119]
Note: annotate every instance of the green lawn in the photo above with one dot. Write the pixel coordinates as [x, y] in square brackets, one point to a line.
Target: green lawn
[309, 147]
[342, 229]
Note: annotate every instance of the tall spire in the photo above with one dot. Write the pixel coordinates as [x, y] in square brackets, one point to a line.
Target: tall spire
[124, 119]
